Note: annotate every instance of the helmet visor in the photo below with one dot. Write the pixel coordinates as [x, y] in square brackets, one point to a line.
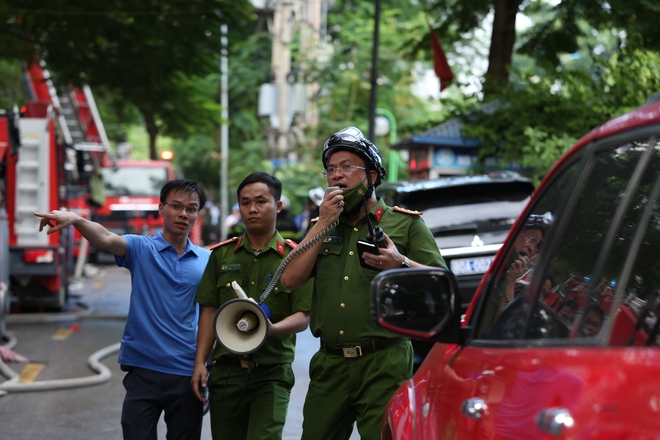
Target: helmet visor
[348, 137]
[539, 221]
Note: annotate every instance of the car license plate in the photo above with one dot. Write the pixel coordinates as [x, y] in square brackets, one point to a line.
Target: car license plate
[466, 266]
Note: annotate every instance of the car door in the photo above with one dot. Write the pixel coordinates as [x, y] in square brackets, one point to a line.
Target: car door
[578, 359]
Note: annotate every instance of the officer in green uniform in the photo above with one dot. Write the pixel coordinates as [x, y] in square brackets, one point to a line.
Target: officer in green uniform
[249, 394]
[359, 365]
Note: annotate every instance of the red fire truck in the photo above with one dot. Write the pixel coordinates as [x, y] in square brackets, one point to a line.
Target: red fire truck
[132, 194]
[47, 155]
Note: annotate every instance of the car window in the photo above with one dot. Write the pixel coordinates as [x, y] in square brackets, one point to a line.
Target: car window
[134, 181]
[592, 276]
[454, 210]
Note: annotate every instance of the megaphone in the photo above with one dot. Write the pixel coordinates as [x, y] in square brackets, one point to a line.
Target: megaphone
[241, 325]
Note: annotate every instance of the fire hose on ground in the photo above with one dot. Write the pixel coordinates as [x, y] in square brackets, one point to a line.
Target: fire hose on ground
[103, 373]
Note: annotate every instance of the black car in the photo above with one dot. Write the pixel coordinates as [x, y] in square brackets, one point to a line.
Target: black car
[469, 216]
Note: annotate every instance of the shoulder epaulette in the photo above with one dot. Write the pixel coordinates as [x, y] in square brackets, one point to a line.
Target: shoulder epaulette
[291, 243]
[222, 243]
[406, 211]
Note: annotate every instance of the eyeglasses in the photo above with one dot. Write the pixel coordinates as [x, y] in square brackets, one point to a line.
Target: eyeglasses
[346, 169]
[529, 239]
[177, 207]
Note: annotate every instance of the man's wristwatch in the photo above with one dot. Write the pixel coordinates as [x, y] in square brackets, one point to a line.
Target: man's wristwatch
[406, 263]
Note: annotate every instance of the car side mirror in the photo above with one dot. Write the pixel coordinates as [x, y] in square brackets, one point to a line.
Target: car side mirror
[418, 303]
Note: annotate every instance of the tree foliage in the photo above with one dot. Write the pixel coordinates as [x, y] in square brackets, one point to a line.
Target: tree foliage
[559, 27]
[198, 156]
[11, 85]
[344, 73]
[538, 118]
[151, 55]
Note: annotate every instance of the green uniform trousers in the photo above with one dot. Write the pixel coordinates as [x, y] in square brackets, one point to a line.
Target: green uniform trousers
[254, 410]
[347, 390]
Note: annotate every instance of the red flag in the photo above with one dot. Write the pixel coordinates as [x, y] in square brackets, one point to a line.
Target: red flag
[440, 64]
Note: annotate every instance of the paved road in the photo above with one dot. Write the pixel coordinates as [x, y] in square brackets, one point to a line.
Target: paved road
[62, 345]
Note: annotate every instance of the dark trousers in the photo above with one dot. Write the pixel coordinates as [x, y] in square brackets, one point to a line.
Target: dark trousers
[148, 394]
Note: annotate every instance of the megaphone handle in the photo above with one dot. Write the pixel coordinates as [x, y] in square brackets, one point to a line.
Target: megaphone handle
[239, 290]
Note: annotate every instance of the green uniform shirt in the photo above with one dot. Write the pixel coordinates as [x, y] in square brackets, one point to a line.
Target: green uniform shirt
[234, 260]
[341, 303]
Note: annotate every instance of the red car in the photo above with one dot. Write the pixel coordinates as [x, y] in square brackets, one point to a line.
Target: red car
[561, 338]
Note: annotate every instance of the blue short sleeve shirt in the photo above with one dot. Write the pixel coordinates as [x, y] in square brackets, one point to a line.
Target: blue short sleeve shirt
[161, 327]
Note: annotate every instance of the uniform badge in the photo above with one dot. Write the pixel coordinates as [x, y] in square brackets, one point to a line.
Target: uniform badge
[379, 213]
[406, 211]
[230, 267]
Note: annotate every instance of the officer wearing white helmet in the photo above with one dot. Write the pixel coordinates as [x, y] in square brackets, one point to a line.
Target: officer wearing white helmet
[359, 365]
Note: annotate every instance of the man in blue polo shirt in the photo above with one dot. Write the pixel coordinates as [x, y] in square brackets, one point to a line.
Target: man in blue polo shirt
[159, 341]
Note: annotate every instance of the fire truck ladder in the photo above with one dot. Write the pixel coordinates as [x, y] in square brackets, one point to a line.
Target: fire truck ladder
[71, 105]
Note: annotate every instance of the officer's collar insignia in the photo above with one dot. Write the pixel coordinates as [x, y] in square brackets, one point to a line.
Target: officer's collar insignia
[379, 213]
[280, 247]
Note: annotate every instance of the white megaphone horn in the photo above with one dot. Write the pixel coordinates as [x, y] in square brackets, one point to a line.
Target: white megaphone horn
[241, 325]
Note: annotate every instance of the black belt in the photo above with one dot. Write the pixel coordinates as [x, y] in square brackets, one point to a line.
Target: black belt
[361, 350]
[234, 362]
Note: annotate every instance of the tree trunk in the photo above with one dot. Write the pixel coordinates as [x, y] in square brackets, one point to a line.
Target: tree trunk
[152, 131]
[501, 44]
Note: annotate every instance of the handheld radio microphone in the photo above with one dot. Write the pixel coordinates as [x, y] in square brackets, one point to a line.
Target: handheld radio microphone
[375, 238]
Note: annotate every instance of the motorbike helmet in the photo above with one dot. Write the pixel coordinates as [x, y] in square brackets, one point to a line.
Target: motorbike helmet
[539, 221]
[352, 140]
[286, 203]
[316, 195]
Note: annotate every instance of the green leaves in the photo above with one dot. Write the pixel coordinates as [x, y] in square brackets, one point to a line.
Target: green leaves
[539, 117]
[152, 55]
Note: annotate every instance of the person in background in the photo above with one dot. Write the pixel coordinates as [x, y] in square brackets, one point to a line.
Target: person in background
[286, 225]
[567, 310]
[233, 223]
[593, 321]
[547, 288]
[526, 247]
[359, 365]
[249, 394]
[210, 232]
[311, 211]
[160, 336]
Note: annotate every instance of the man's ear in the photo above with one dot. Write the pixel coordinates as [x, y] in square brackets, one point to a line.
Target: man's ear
[374, 176]
[279, 206]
